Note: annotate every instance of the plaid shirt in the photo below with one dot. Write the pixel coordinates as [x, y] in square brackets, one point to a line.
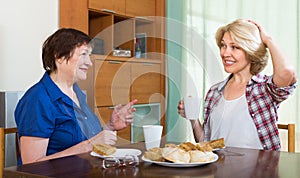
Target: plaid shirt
[263, 98]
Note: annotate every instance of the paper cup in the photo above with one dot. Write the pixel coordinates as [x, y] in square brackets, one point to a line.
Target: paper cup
[152, 135]
[192, 107]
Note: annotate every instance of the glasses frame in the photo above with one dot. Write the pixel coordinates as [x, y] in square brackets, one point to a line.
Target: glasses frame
[115, 162]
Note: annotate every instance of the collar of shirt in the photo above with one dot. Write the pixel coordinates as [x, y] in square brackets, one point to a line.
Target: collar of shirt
[56, 93]
[259, 78]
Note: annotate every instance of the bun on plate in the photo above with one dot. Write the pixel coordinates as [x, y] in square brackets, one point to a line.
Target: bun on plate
[176, 155]
[104, 149]
[187, 146]
[200, 156]
[218, 143]
[183, 153]
[154, 154]
[203, 146]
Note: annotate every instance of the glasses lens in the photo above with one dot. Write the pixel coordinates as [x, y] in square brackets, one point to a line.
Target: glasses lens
[131, 161]
[110, 162]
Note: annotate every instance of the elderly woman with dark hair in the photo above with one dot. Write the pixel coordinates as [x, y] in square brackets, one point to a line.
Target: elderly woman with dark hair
[52, 117]
[243, 108]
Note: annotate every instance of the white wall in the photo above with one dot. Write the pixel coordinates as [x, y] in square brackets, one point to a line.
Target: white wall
[24, 25]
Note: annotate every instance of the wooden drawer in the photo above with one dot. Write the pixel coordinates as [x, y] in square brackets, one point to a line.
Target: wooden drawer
[112, 83]
[146, 82]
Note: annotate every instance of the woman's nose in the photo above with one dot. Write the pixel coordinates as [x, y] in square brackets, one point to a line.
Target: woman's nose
[226, 51]
[89, 61]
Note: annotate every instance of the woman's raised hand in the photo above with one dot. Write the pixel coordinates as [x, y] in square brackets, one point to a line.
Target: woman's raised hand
[122, 116]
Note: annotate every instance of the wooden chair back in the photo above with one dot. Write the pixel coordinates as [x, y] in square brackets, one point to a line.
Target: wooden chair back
[3, 132]
[291, 135]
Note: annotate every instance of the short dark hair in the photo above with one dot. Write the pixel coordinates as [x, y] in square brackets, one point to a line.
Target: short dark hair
[62, 43]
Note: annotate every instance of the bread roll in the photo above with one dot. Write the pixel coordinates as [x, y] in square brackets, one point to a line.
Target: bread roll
[203, 146]
[154, 154]
[187, 146]
[218, 143]
[200, 156]
[104, 149]
[176, 155]
[172, 145]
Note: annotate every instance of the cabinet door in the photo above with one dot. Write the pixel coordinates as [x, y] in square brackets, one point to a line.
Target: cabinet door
[112, 83]
[146, 82]
[104, 114]
[140, 7]
[73, 14]
[115, 6]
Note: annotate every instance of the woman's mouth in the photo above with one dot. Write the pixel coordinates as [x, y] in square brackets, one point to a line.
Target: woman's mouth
[228, 62]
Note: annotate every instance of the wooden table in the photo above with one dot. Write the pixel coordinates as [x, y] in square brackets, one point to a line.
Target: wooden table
[232, 162]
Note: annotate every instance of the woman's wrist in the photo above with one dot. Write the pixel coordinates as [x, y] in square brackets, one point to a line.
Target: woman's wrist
[109, 126]
[88, 146]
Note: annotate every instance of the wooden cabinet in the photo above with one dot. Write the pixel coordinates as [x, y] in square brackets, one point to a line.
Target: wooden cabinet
[140, 7]
[121, 24]
[112, 6]
[125, 7]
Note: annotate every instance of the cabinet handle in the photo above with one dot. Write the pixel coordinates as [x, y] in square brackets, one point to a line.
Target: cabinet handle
[142, 18]
[147, 64]
[109, 11]
[114, 62]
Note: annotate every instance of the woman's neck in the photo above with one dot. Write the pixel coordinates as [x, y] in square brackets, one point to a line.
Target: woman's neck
[66, 86]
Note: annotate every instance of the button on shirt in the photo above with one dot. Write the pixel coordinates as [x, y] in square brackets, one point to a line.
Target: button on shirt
[45, 111]
[263, 99]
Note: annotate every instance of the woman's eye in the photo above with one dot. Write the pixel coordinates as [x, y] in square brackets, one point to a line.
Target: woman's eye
[235, 47]
[223, 46]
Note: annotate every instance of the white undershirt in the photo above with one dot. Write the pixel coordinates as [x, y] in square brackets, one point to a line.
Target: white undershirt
[231, 120]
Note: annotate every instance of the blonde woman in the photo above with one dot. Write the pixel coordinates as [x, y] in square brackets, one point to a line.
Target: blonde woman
[242, 109]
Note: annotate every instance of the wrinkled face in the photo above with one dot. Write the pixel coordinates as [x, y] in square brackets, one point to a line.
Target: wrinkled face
[233, 57]
[78, 64]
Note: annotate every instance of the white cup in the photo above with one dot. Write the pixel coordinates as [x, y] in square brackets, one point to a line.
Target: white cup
[192, 107]
[152, 135]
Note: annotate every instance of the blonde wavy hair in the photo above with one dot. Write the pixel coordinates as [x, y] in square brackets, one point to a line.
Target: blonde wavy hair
[246, 36]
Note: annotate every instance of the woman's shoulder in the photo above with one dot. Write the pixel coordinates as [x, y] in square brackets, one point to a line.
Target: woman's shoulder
[37, 89]
[219, 85]
[36, 93]
[261, 78]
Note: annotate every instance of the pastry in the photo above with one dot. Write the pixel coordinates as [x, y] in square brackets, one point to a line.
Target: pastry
[104, 149]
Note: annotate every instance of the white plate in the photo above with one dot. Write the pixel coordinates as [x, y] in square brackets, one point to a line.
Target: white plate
[168, 164]
[120, 152]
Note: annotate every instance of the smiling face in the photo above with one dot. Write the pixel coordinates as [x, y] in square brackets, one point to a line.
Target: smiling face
[83, 63]
[77, 66]
[233, 57]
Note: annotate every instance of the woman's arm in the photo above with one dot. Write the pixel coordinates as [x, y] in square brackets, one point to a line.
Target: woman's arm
[34, 149]
[197, 130]
[283, 72]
